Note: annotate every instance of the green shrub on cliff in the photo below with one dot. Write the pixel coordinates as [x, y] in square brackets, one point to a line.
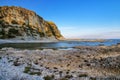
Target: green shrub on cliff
[1, 21]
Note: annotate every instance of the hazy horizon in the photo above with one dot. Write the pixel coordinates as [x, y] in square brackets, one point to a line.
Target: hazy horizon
[86, 19]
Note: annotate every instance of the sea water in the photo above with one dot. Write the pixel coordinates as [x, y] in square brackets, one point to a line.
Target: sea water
[60, 44]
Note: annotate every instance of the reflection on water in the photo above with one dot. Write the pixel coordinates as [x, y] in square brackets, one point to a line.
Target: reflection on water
[59, 45]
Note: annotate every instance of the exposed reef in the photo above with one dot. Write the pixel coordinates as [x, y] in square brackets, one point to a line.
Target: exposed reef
[81, 63]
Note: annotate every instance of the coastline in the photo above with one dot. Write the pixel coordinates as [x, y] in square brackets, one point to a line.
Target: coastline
[2, 41]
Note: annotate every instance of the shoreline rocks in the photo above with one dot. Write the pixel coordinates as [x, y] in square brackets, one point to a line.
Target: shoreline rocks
[78, 64]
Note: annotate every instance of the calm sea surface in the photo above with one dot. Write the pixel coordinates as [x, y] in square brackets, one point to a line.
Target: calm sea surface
[59, 45]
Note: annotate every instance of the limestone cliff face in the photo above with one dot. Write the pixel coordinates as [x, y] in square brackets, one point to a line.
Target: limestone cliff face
[20, 23]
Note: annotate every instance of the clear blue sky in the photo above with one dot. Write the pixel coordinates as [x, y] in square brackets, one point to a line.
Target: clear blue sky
[77, 18]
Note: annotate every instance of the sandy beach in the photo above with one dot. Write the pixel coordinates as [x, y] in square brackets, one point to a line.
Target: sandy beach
[2, 41]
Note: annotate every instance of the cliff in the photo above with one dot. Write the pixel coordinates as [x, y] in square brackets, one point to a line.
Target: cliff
[19, 23]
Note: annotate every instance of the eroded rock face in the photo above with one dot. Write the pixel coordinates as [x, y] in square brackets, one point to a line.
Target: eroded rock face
[20, 23]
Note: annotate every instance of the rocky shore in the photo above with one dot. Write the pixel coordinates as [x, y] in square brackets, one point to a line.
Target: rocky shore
[79, 63]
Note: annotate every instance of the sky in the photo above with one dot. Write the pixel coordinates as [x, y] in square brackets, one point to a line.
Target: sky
[86, 19]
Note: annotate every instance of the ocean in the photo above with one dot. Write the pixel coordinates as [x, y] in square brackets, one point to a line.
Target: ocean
[60, 44]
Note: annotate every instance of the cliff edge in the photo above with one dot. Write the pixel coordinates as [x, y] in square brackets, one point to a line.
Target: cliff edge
[22, 24]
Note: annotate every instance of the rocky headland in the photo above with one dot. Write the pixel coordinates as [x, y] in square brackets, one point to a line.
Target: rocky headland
[21, 24]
